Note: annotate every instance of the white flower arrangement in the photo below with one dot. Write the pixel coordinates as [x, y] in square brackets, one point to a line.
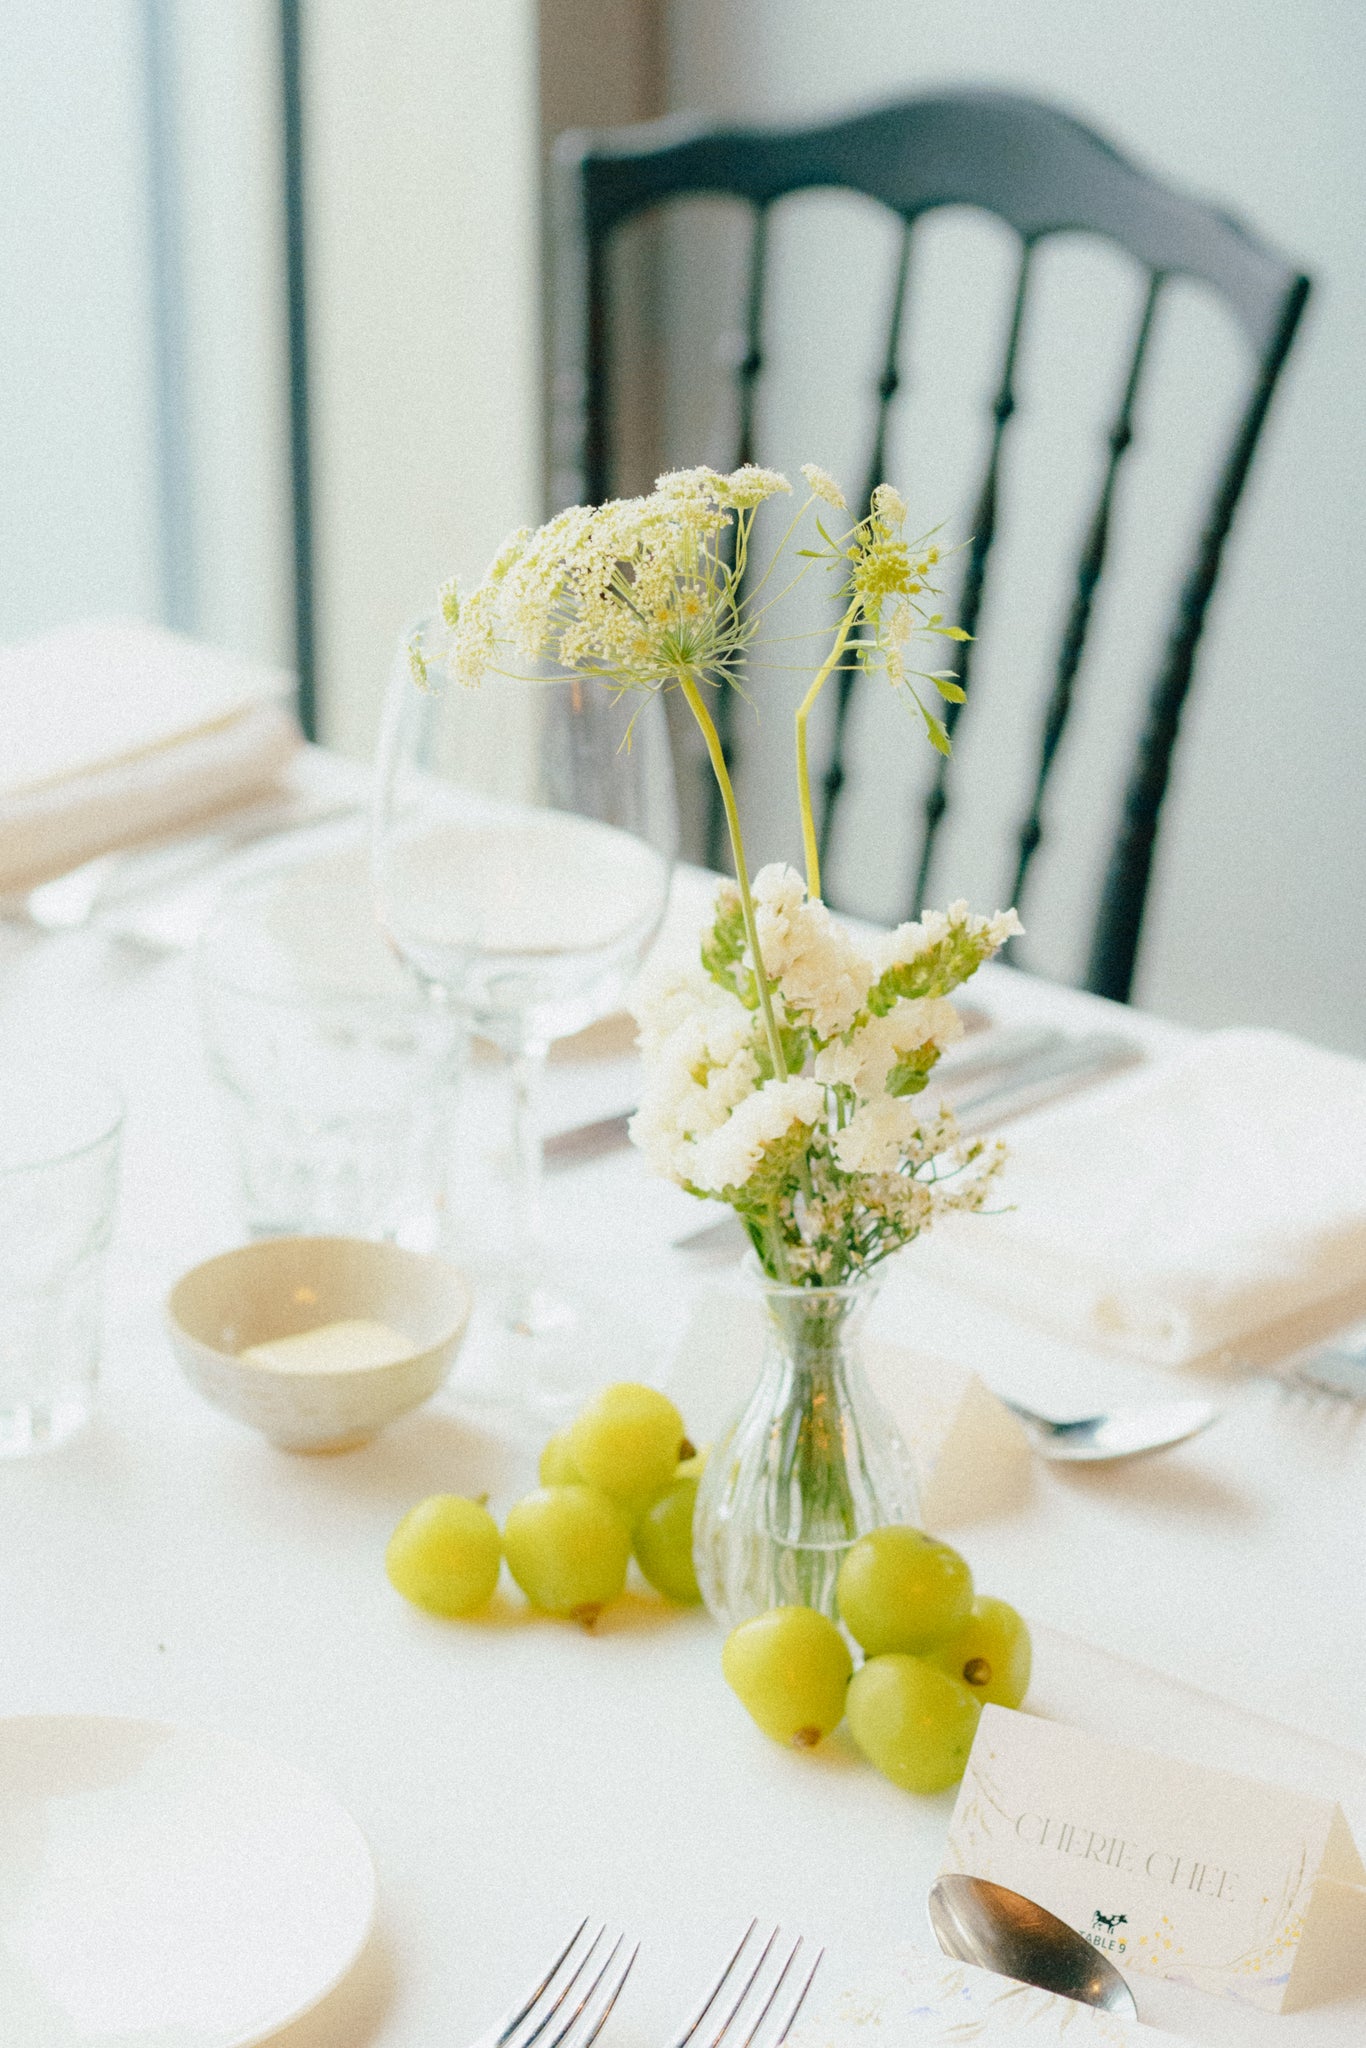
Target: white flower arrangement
[833, 1165]
[783, 1071]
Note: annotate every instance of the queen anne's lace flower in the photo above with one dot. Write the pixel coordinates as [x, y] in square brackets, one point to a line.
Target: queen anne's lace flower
[786, 1070]
[750, 485]
[888, 504]
[824, 486]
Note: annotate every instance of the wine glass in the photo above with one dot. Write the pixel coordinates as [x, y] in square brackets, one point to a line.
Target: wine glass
[523, 843]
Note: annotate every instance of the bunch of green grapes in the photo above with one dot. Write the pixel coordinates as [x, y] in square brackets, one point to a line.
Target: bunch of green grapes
[933, 1655]
[622, 1479]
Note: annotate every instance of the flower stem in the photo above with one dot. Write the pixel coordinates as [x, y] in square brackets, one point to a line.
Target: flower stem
[813, 859]
[777, 1250]
[718, 761]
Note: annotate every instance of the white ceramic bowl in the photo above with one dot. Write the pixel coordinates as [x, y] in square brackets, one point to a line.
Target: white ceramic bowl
[282, 1286]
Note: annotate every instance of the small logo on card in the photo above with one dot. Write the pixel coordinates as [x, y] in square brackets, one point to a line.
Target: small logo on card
[1103, 1933]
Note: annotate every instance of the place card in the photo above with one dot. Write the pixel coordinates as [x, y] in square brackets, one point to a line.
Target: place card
[1167, 1867]
[926, 1999]
[972, 1459]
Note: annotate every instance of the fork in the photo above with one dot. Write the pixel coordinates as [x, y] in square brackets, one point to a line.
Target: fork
[569, 2006]
[760, 1996]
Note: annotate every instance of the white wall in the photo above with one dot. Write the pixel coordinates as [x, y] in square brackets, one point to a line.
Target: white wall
[422, 149]
[424, 140]
[1259, 904]
[79, 506]
[226, 90]
[77, 483]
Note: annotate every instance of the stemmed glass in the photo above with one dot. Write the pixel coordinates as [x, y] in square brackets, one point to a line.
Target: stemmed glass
[524, 837]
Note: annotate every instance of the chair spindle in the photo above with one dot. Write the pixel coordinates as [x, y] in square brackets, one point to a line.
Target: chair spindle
[747, 372]
[889, 383]
[1090, 568]
[1041, 173]
[1114, 950]
[974, 580]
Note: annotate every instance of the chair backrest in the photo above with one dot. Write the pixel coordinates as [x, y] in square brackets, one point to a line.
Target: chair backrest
[1044, 174]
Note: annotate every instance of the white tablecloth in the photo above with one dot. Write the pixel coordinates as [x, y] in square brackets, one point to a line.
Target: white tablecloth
[512, 1777]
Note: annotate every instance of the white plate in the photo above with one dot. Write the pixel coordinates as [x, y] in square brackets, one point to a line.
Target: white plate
[166, 1887]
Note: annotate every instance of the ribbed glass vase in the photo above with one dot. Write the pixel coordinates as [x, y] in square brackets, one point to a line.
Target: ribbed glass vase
[812, 1463]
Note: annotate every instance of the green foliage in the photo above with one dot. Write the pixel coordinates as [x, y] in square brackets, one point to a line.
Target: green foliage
[941, 968]
[723, 952]
[796, 1044]
[937, 730]
[911, 1074]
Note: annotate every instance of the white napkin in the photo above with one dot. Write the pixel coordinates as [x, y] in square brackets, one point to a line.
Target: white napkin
[112, 732]
[1184, 1206]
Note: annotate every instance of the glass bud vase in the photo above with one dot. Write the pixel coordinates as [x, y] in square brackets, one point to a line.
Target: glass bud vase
[811, 1463]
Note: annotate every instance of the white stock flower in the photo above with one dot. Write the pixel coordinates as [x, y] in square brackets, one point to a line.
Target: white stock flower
[693, 1084]
[878, 1135]
[666, 997]
[821, 974]
[865, 1061]
[698, 1043]
[731, 1154]
[898, 948]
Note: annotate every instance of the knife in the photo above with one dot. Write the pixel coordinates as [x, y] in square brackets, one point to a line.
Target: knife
[999, 1050]
[582, 1142]
[1074, 1063]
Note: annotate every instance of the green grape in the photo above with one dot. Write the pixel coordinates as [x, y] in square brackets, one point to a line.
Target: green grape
[444, 1555]
[901, 1590]
[633, 1505]
[915, 1724]
[626, 1443]
[663, 1543]
[990, 1653]
[790, 1668]
[557, 1467]
[568, 1548]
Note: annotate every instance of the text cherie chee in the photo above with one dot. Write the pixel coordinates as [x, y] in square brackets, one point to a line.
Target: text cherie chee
[1114, 1852]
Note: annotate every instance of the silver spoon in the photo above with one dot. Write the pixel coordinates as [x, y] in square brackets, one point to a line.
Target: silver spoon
[1338, 1369]
[1128, 1432]
[981, 1923]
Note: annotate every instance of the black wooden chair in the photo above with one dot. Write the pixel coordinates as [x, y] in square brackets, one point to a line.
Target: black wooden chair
[1044, 174]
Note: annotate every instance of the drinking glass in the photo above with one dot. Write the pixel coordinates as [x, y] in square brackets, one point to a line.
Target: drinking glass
[337, 1070]
[524, 839]
[59, 1151]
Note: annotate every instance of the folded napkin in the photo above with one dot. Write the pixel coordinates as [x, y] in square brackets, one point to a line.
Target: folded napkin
[112, 732]
[1183, 1207]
